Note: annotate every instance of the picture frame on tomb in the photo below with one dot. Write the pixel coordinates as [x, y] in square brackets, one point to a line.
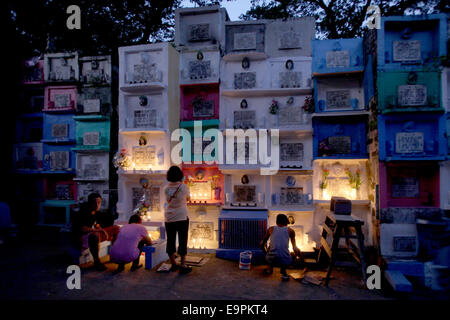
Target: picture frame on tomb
[59, 160]
[244, 104]
[198, 32]
[405, 187]
[292, 196]
[245, 63]
[291, 152]
[244, 193]
[143, 101]
[338, 99]
[244, 41]
[409, 142]
[201, 230]
[406, 50]
[143, 156]
[145, 118]
[244, 119]
[91, 138]
[60, 130]
[289, 65]
[338, 59]
[340, 144]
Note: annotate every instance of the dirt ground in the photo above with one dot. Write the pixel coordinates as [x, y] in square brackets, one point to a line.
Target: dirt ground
[35, 268]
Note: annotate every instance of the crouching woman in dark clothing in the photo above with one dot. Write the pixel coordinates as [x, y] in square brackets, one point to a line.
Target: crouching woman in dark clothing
[87, 228]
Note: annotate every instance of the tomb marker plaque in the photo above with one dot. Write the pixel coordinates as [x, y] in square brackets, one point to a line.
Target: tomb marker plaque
[143, 156]
[245, 193]
[91, 105]
[247, 148]
[412, 95]
[290, 40]
[145, 73]
[144, 118]
[291, 152]
[290, 116]
[291, 196]
[203, 108]
[92, 170]
[337, 59]
[91, 138]
[290, 79]
[244, 41]
[338, 99]
[62, 73]
[62, 100]
[404, 244]
[59, 160]
[405, 187]
[201, 230]
[245, 119]
[198, 32]
[245, 80]
[406, 50]
[60, 130]
[409, 142]
[340, 144]
[199, 69]
[62, 191]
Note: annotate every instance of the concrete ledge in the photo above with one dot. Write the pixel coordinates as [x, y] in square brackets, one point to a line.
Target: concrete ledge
[407, 267]
[398, 281]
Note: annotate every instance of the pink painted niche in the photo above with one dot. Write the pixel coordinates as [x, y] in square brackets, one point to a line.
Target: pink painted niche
[409, 184]
[199, 102]
[206, 184]
[61, 98]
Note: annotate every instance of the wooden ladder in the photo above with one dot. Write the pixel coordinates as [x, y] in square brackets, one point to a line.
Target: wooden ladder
[336, 226]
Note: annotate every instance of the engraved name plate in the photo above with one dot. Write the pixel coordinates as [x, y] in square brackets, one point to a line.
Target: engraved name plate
[412, 95]
[247, 148]
[337, 59]
[154, 195]
[198, 144]
[91, 105]
[409, 142]
[136, 195]
[143, 156]
[198, 32]
[245, 80]
[244, 41]
[290, 40]
[290, 116]
[91, 138]
[201, 190]
[62, 73]
[60, 130]
[62, 191]
[244, 193]
[406, 50]
[203, 108]
[95, 76]
[145, 72]
[291, 152]
[290, 79]
[92, 170]
[144, 118]
[201, 230]
[338, 99]
[404, 244]
[199, 69]
[62, 100]
[405, 187]
[340, 144]
[292, 196]
[59, 160]
[245, 119]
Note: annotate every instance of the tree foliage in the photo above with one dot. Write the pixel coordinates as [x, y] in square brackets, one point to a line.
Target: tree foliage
[339, 18]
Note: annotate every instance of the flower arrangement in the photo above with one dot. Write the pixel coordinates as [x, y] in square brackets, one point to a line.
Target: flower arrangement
[324, 183]
[214, 181]
[121, 159]
[273, 109]
[189, 181]
[308, 106]
[354, 179]
[324, 148]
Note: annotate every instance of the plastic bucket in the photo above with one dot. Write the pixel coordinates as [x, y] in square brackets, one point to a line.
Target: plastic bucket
[245, 260]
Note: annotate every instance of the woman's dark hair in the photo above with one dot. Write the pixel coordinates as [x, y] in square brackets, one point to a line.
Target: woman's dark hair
[282, 220]
[135, 218]
[174, 174]
[92, 200]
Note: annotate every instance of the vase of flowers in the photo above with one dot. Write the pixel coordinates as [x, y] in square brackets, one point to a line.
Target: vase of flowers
[354, 179]
[308, 106]
[273, 109]
[324, 183]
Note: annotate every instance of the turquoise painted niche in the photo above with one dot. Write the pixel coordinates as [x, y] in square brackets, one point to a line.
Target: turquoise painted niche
[412, 91]
[92, 133]
[189, 153]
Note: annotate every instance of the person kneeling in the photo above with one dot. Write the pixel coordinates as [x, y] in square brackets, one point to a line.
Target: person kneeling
[278, 252]
[129, 244]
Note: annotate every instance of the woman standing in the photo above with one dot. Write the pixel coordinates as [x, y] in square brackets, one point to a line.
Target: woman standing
[176, 216]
